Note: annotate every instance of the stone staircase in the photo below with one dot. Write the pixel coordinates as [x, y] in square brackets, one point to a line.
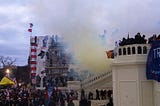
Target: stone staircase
[101, 81]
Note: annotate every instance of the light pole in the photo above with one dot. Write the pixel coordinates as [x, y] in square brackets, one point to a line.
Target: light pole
[8, 72]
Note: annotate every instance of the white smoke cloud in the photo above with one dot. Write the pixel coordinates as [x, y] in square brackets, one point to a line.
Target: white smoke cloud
[81, 22]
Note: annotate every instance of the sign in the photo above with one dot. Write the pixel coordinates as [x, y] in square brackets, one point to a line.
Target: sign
[34, 81]
[153, 62]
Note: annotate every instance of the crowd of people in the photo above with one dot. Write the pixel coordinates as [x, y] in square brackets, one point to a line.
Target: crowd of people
[138, 39]
[100, 95]
[57, 81]
[58, 98]
[22, 96]
[152, 38]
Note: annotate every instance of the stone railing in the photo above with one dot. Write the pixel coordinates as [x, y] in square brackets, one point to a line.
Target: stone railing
[131, 53]
[99, 102]
[133, 49]
[92, 80]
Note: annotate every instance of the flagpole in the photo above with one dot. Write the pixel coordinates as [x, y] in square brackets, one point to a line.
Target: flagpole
[30, 28]
[32, 60]
[30, 33]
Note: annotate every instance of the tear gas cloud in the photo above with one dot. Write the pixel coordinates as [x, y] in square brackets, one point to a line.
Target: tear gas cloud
[78, 26]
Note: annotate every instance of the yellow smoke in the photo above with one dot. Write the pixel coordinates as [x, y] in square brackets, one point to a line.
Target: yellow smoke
[88, 50]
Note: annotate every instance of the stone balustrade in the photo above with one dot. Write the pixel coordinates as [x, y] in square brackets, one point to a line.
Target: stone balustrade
[133, 49]
[93, 102]
[91, 80]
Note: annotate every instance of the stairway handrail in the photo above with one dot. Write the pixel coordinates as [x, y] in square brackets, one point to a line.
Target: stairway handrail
[93, 79]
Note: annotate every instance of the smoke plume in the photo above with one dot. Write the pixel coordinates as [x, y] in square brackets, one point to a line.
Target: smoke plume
[78, 25]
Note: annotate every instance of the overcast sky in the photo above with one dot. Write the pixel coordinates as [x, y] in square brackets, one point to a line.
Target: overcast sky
[80, 22]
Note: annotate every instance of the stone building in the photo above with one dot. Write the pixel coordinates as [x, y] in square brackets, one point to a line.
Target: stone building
[49, 61]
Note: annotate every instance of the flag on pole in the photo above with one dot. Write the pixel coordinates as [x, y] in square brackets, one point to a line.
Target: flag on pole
[30, 27]
[29, 30]
[110, 54]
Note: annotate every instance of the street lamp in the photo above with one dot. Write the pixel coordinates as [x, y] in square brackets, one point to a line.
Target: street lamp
[7, 72]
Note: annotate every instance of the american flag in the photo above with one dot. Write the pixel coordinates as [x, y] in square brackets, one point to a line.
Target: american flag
[30, 29]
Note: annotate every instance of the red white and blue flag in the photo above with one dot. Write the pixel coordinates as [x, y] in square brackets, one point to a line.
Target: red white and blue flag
[30, 27]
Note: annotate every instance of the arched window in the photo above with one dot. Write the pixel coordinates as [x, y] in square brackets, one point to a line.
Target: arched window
[144, 50]
[129, 50]
[120, 51]
[139, 50]
[133, 50]
[124, 51]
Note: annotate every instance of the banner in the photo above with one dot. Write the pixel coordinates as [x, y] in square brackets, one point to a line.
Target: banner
[42, 48]
[153, 62]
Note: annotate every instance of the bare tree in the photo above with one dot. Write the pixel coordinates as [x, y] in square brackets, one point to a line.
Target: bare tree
[7, 61]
